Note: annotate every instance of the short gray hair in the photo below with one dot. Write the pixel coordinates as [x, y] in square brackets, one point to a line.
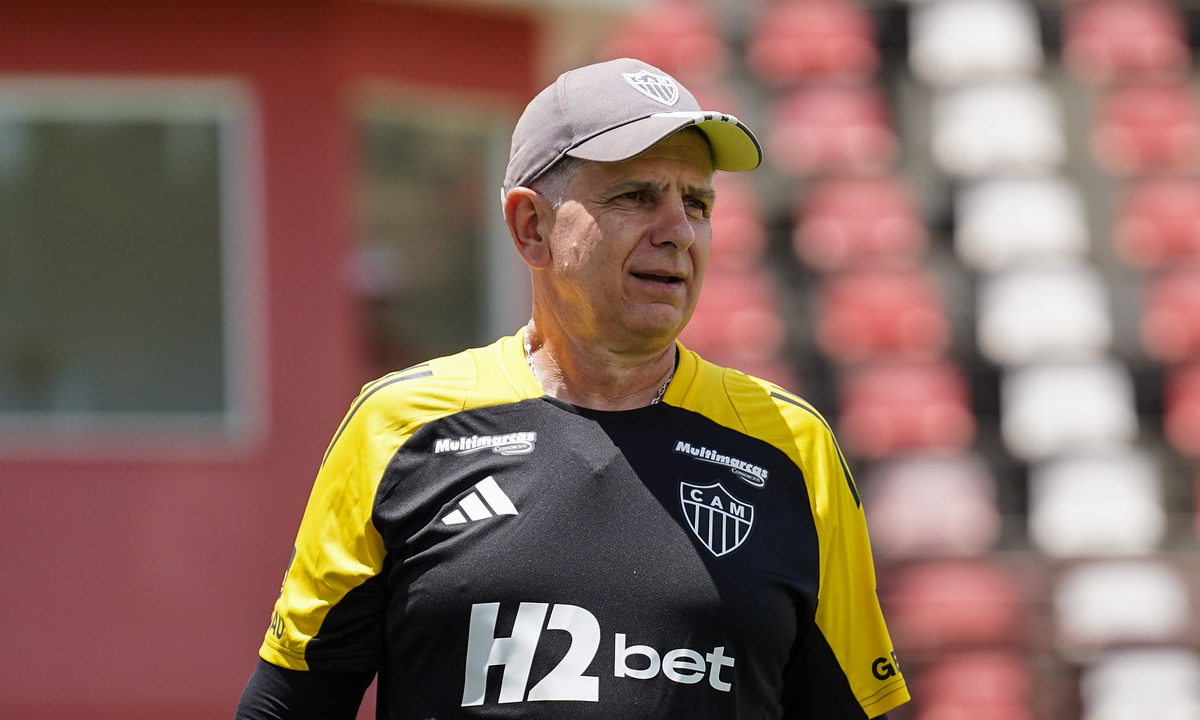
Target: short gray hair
[552, 184]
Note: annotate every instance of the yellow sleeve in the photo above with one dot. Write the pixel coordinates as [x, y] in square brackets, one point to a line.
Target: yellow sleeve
[848, 612]
[338, 551]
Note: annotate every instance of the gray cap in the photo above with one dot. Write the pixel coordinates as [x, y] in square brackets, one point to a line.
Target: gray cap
[612, 111]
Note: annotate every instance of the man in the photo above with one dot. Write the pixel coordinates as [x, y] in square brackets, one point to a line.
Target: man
[587, 520]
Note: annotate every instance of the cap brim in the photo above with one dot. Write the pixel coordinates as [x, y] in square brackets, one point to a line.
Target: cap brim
[734, 146]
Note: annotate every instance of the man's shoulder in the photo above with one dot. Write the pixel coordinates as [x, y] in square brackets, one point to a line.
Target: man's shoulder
[440, 386]
[751, 398]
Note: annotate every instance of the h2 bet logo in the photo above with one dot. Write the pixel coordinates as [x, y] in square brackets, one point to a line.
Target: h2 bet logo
[568, 680]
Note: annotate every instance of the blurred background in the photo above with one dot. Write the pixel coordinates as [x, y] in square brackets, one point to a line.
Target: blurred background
[974, 247]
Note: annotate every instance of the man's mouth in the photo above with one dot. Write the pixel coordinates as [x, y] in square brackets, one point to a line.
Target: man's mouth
[658, 278]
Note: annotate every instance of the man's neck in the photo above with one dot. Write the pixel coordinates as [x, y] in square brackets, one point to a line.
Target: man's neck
[595, 377]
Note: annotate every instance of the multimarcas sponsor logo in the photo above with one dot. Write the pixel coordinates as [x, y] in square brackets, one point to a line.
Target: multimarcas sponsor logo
[518, 443]
[751, 473]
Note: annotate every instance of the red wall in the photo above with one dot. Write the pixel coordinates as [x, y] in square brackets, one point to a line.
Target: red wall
[139, 583]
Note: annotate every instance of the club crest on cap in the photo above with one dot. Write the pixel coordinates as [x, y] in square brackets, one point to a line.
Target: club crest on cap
[656, 87]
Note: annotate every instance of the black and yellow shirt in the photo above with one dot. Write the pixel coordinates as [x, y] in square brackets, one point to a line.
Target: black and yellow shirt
[493, 552]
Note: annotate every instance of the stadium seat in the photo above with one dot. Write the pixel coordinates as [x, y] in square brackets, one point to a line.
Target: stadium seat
[1107, 41]
[1181, 409]
[1052, 408]
[1019, 219]
[1158, 222]
[1112, 603]
[881, 313]
[796, 40]
[739, 236]
[987, 128]
[858, 221]
[1169, 325]
[985, 684]
[1147, 128]
[830, 128]
[1142, 684]
[931, 505]
[896, 407]
[1043, 312]
[737, 318]
[955, 41]
[681, 37]
[1099, 504]
[948, 605]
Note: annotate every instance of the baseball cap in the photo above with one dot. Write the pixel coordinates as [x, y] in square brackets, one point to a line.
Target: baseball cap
[612, 111]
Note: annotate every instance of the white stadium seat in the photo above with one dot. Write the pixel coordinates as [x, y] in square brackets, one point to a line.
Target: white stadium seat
[1044, 313]
[998, 126]
[1104, 504]
[1008, 220]
[953, 41]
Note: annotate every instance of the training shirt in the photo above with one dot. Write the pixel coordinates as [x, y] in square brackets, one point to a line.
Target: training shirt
[494, 552]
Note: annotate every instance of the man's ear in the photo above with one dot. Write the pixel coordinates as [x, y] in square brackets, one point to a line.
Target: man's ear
[528, 216]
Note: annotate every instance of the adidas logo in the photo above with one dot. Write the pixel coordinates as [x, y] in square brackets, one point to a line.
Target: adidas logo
[484, 501]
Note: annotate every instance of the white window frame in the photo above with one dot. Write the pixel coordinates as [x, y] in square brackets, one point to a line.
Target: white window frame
[241, 423]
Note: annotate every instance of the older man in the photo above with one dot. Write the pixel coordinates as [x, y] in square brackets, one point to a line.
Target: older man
[585, 519]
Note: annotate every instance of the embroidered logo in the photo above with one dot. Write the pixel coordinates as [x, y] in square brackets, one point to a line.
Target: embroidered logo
[518, 443]
[751, 473]
[485, 500]
[659, 88]
[719, 521]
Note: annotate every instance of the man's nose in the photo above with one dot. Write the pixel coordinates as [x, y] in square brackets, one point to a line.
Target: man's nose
[675, 225]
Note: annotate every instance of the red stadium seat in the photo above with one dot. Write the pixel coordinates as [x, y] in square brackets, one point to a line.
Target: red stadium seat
[1111, 40]
[1170, 319]
[1181, 409]
[798, 40]
[877, 313]
[1158, 222]
[1145, 128]
[679, 36]
[737, 320]
[976, 685]
[858, 221]
[832, 127]
[896, 407]
[960, 605]
[739, 236]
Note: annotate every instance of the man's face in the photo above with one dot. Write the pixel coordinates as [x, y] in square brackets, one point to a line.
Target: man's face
[630, 244]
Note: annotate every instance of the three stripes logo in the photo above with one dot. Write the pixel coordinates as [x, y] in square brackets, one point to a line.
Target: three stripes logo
[485, 500]
[719, 521]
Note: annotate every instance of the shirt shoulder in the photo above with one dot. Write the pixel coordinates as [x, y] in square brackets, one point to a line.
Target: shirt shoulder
[398, 404]
[769, 413]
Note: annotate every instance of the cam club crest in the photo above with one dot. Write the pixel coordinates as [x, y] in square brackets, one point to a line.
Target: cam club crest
[720, 521]
[656, 87]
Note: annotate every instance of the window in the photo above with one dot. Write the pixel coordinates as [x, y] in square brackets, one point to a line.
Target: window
[436, 266]
[126, 258]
